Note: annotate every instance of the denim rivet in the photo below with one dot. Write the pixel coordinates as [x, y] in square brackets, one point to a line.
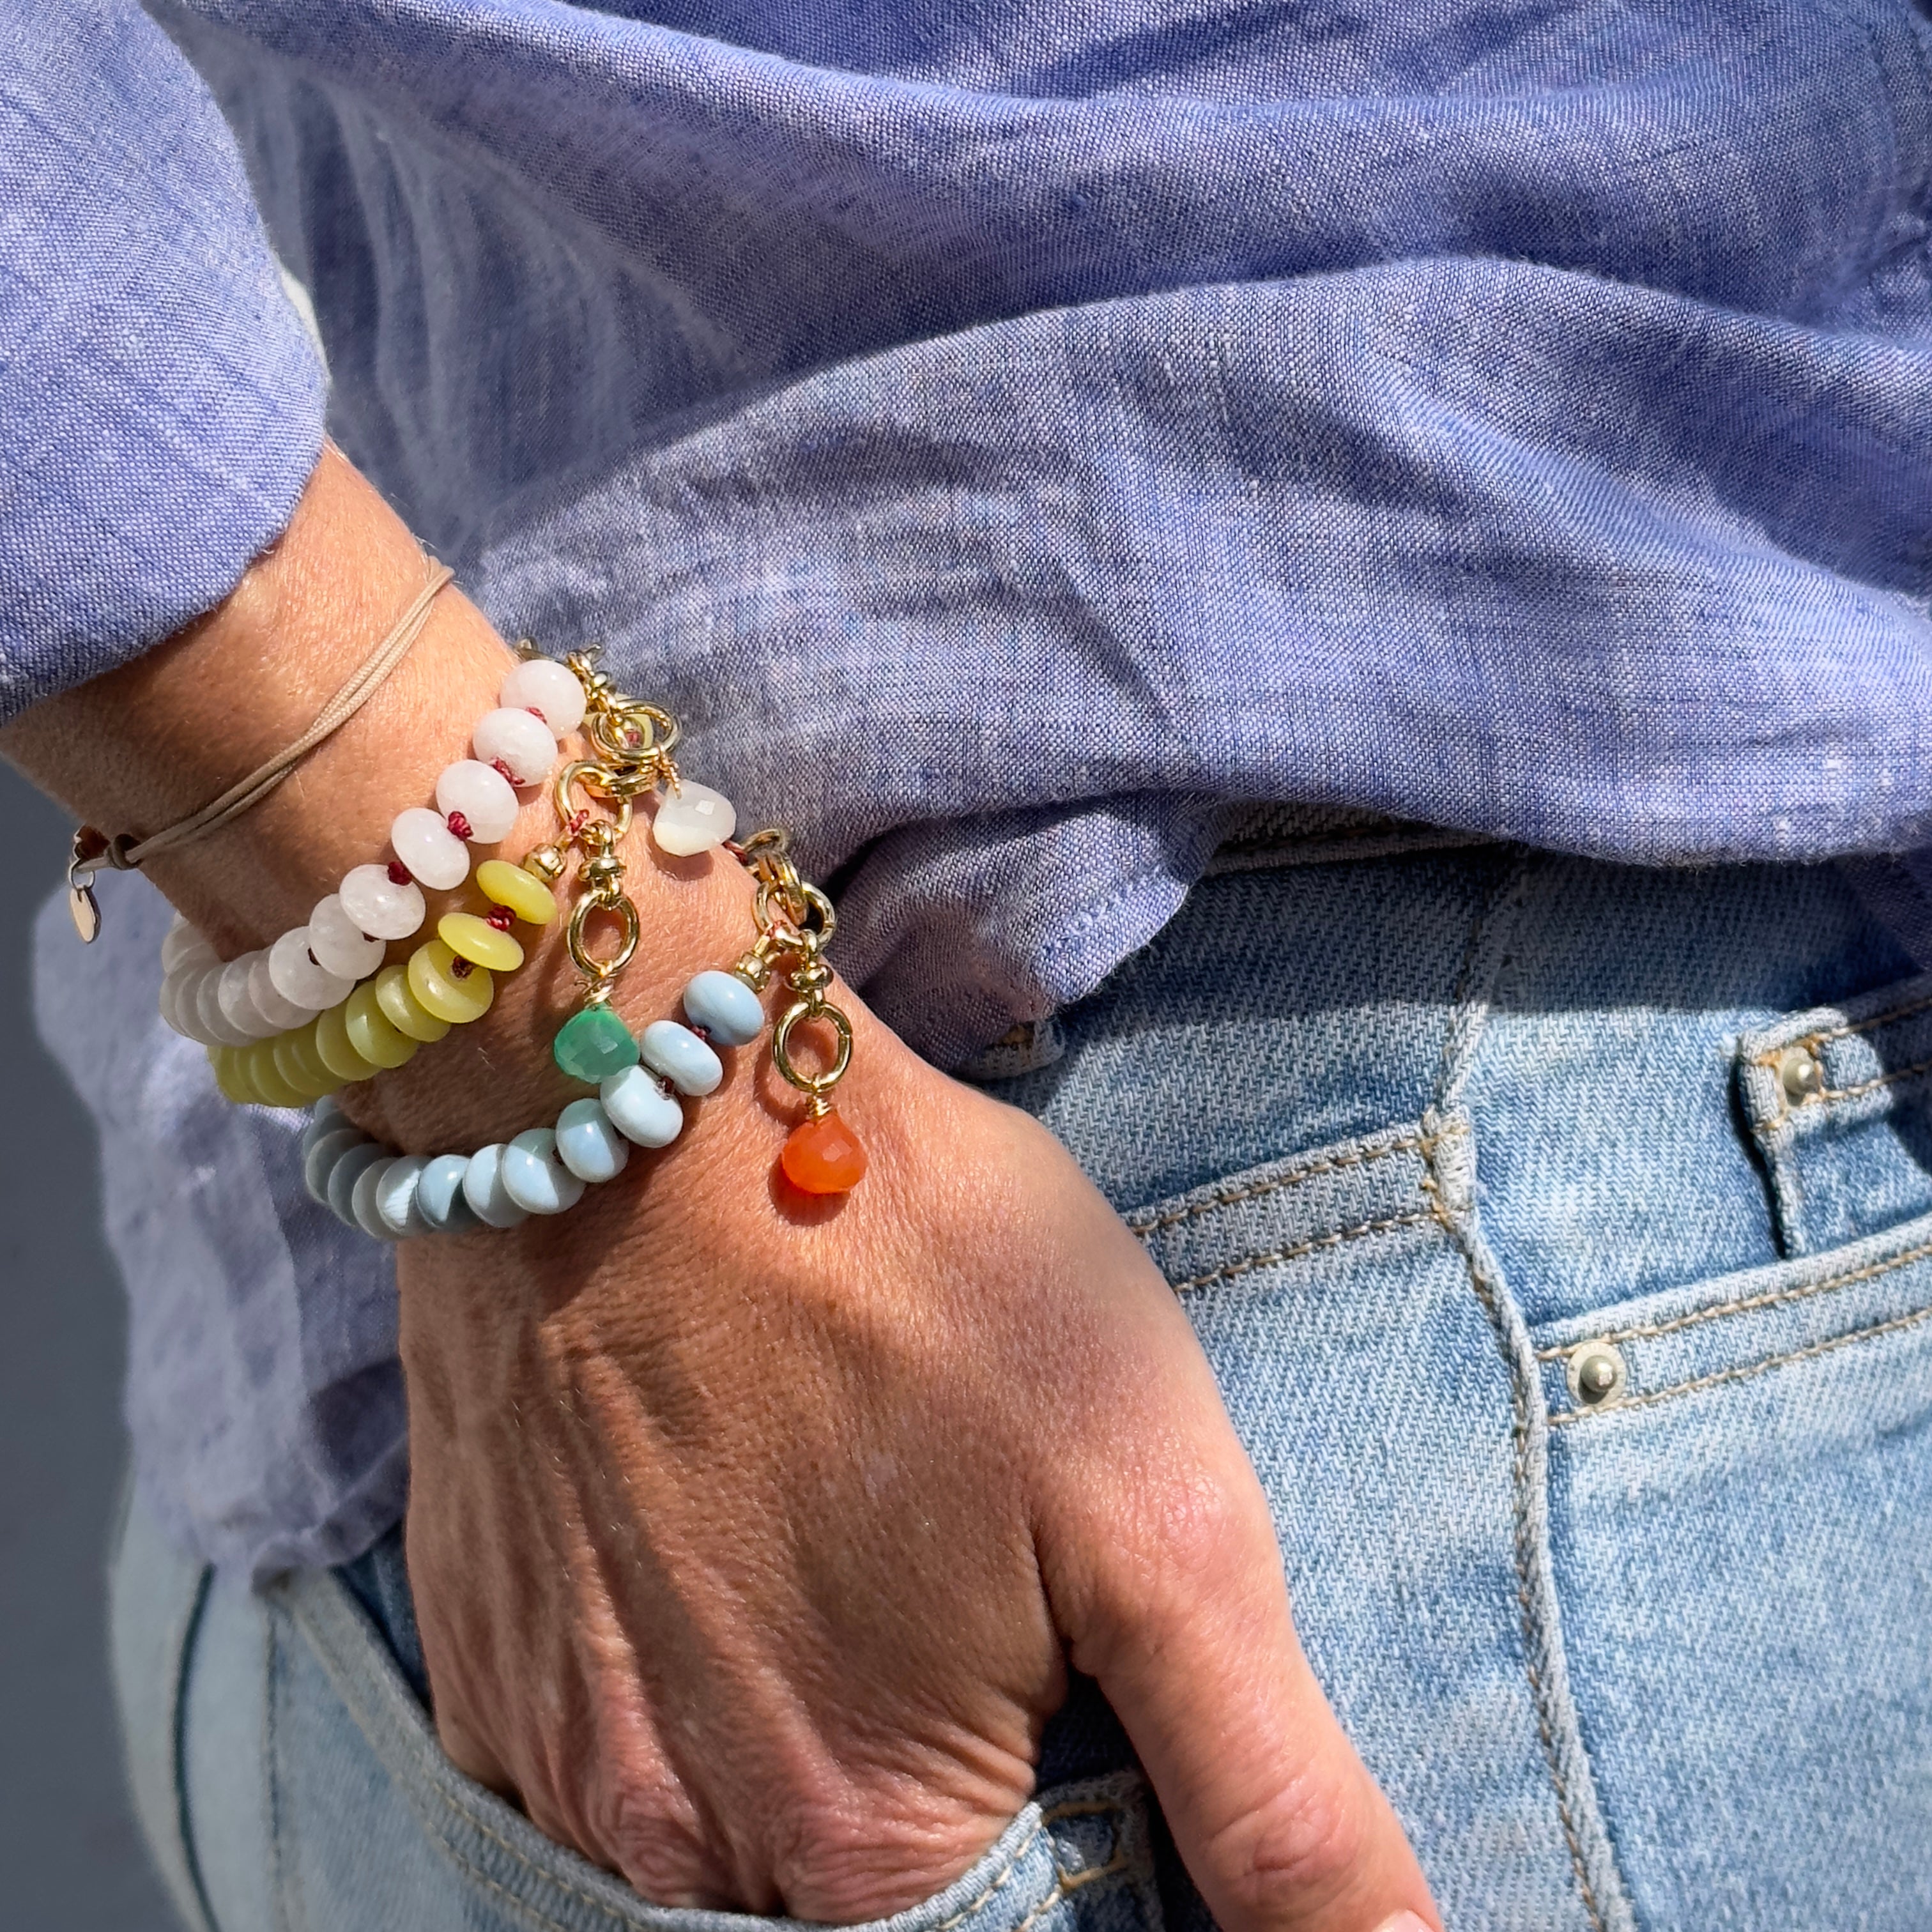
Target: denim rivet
[1798, 1069]
[1597, 1374]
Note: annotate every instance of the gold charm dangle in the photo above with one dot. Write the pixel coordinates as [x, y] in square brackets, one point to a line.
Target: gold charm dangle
[796, 923]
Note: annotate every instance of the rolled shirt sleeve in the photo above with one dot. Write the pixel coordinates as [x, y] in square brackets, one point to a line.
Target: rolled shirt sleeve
[161, 400]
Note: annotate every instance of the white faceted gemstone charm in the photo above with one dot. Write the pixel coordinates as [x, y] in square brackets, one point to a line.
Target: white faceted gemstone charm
[378, 905]
[303, 982]
[438, 858]
[269, 1003]
[522, 742]
[549, 689]
[482, 795]
[339, 943]
[693, 818]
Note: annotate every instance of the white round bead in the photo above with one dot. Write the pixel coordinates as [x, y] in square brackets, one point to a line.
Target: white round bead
[169, 1003]
[237, 1008]
[693, 818]
[378, 905]
[522, 742]
[438, 858]
[339, 944]
[221, 1029]
[269, 1003]
[484, 797]
[304, 981]
[185, 946]
[549, 689]
[186, 1008]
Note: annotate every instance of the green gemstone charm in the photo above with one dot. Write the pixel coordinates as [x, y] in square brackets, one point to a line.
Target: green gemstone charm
[593, 1045]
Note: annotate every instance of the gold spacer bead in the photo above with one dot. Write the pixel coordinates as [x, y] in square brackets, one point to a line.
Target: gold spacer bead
[606, 869]
[545, 863]
[755, 970]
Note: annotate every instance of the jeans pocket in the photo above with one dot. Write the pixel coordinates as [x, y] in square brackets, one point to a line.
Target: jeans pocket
[1078, 1858]
[1740, 1504]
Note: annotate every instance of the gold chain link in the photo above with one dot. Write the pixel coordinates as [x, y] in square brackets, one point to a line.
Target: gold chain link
[634, 743]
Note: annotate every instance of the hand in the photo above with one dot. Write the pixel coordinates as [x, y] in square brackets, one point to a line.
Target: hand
[748, 1542]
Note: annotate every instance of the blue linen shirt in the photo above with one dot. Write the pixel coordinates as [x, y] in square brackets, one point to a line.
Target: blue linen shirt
[1013, 437]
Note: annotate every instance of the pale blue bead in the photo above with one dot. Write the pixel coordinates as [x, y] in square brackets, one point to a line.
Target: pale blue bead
[396, 1196]
[587, 1144]
[319, 1156]
[362, 1198]
[725, 1007]
[439, 1198]
[346, 1171]
[681, 1057]
[533, 1176]
[483, 1189]
[326, 1118]
[640, 1109]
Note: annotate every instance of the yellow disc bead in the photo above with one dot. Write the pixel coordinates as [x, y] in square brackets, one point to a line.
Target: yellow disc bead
[331, 1045]
[310, 1056]
[266, 1080]
[526, 895]
[296, 1062]
[479, 942]
[370, 1034]
[457, 998]
[406, 1013]
[231, 1076]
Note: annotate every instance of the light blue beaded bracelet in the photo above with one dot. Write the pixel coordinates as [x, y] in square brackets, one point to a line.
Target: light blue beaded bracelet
[544, 1170]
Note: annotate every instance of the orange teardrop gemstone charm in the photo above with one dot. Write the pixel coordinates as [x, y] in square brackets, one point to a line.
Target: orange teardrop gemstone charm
[823, 1157]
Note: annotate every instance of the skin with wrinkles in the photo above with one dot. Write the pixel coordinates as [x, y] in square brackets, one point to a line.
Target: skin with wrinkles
[752, 1535]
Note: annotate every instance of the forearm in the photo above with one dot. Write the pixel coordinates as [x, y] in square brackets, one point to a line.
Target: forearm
[141, 747]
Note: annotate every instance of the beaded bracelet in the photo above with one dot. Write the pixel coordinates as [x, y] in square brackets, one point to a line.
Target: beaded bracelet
[381, 1024]
[546, 1170]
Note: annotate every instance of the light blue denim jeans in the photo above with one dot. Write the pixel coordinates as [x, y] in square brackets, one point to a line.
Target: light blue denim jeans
[1561, 1236]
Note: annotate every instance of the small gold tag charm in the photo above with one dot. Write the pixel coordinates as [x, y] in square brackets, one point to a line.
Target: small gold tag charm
[88, 844]
[86, 911]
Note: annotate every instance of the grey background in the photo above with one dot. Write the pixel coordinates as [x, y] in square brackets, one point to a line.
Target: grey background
[70, 1859]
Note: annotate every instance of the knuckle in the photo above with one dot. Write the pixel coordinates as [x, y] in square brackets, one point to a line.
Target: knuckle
[842, 1863]
[1300, 1848]
[654, 1839]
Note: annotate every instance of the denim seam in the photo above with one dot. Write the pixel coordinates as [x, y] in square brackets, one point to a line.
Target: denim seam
[1851, 1028]
[1420, 1143]
[280, 1896]
[1770, 1298]
[998, 1884]
[1535, 1589]
[1744, 1371]
[190, 1639]
[1249, 1263]
[1484, 957]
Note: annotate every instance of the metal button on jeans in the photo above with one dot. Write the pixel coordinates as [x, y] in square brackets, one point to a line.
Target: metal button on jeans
[1802, 1076]
[1598, 1375]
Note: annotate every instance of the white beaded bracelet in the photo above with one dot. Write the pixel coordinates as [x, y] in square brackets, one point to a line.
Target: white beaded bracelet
[313, 967]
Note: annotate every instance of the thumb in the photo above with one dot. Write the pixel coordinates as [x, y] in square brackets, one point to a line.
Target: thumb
[1184, 1619]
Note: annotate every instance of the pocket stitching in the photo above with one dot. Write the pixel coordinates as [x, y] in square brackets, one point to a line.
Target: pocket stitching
[1422, 1144]
[1250, 1264]
[966, 1911]
[1743, 1371]
[1770, 1298]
